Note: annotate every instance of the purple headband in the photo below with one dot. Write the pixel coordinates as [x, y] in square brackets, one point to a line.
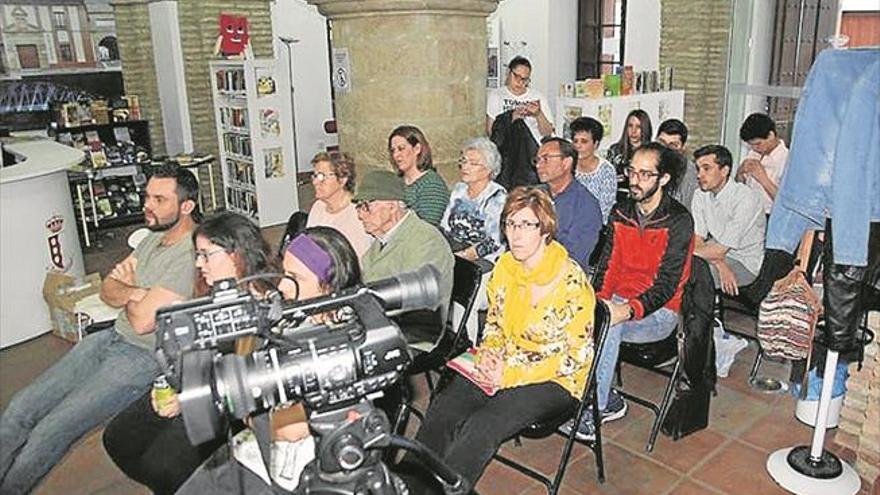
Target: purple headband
[312, 255]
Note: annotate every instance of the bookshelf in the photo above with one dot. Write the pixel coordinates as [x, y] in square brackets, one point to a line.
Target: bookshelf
[252, 113]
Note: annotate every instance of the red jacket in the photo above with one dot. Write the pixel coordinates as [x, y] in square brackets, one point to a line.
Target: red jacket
[648, 264]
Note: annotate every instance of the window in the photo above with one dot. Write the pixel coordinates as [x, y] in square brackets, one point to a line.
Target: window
[65, 53]
[28, 57]
[601, 37]
[59, 19]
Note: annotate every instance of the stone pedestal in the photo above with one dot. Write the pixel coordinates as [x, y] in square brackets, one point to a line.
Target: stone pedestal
[420, 62]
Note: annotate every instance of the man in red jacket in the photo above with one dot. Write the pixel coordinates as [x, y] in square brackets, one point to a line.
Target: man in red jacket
[644, 266]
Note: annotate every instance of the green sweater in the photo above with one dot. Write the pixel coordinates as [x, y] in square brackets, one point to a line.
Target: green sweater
[428, 197]
[414, 244]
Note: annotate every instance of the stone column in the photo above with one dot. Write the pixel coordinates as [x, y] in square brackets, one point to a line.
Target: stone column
[420, 62]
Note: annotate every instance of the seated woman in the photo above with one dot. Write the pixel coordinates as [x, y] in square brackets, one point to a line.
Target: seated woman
[425, 191]
[334, 178]
[637, 132]
[317, 262]
[594, 172]
[148, 439]
[537, 349]
[472, 220]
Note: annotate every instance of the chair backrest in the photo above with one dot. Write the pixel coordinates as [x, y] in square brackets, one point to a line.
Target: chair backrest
[601, 324]
[465, 284]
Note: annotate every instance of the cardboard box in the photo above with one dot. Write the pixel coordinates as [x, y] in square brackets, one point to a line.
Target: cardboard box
[61, 293]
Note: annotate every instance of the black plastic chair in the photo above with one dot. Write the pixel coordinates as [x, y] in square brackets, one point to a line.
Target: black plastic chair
[543, 429]
[452, 340]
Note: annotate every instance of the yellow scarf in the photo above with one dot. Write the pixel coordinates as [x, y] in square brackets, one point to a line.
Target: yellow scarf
[518, 282]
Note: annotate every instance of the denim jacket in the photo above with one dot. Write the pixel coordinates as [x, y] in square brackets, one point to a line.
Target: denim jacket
[834, 163]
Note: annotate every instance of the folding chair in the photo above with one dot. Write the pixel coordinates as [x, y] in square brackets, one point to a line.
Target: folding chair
[543, 429]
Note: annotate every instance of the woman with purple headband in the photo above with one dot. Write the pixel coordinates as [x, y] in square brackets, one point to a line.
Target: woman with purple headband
[317, 262]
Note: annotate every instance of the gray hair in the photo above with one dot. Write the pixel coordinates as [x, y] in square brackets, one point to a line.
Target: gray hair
[487, 149]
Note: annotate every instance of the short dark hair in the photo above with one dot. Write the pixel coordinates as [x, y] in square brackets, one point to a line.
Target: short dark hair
[240, 237]
[517, 61]
[187, 184]
[566, 149]
[722, 155]
[589, 125]
[756, 126]
[674, 127]
[345, 269]
[669, 162]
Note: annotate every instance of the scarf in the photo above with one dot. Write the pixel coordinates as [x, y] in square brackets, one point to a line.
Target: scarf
[518, 282]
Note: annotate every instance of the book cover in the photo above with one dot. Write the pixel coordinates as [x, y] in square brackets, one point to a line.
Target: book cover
[627, 81]
[595, 88]
[580, 89]
[465, 365]
[612, 84]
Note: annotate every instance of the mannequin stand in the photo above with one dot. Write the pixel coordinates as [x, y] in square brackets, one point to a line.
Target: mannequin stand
[812, 470]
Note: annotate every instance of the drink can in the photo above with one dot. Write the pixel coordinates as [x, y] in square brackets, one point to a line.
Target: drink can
[162, 391]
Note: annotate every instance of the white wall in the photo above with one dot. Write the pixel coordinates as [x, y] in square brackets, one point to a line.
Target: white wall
[544, 31]
[170, 76]
[642, 45]
[311, 73]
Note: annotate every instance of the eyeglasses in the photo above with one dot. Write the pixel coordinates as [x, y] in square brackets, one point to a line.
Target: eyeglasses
[641, 174]
[544, 158]
[523, 79]
[363, 206]
[205, 255]
[525, 225]
[462, 161]
[322, 176]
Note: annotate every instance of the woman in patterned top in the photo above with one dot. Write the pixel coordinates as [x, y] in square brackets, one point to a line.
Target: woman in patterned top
[537, 349]
[594, 172]
[426, 193]
[472, 221]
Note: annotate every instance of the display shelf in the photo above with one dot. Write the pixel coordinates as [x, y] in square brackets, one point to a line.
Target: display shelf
[253, 122]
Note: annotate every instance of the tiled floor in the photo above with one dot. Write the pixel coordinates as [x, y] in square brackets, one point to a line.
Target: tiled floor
[726, 458]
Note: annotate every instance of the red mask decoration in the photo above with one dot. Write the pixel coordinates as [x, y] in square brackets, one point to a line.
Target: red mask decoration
[233, 34]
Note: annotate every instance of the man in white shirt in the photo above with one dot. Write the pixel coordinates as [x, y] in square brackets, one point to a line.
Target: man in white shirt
[728, 221]
[527, 103]
[763, 166]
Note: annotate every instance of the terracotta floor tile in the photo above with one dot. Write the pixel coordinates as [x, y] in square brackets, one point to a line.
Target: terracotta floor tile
[501, 480]
[625, 473]
[544, 455]
[778, 429]
[738, 467]
[690, 487]
[732, 412]
[681, 455]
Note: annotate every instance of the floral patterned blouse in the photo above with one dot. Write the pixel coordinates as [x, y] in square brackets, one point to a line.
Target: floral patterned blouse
[557, 341]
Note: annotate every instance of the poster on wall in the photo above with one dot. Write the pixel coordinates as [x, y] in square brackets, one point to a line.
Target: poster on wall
[274, 163]
[492, 78]
[270, 125]
[341, 70]
[604, 117]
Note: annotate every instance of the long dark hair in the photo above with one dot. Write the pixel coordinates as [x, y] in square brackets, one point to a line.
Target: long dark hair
[345, 270]
[647, 131]
[243, 240]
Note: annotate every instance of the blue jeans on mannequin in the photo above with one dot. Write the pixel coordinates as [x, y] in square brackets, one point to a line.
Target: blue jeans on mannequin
[98, 378]
[652, 328]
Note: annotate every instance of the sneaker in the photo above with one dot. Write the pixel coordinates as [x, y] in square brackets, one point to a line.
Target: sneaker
[616, 407]
[586, 432]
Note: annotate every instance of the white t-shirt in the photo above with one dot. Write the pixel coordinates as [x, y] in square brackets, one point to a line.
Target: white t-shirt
[501, 100]
[774, 164]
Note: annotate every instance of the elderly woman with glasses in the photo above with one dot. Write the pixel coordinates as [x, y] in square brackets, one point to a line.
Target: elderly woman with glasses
[537, 351]
[425, 192]
[472, 220]
[333, 177]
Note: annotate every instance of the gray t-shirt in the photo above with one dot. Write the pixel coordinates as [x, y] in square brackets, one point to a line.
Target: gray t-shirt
[734, 218]
[170, 267]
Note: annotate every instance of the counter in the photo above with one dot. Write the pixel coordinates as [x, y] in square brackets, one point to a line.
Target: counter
[37, 233]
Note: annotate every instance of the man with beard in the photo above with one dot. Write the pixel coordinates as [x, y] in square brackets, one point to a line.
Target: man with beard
[107, 370]
[643, 269]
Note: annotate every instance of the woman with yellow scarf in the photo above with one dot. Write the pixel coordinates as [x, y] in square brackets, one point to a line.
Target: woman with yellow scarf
[537, 348]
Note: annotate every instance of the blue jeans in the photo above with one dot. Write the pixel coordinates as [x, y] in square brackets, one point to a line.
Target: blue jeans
[98, 378]
[652, 328]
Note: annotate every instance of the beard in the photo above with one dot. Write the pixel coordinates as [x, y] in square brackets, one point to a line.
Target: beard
[639, 195]
[161, 226]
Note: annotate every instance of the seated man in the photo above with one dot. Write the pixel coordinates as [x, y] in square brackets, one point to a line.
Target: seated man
[674, 134]
[642, 271]
[763, 167]
[108, 370]
[728, 221]
[578, 211]
[404, 242]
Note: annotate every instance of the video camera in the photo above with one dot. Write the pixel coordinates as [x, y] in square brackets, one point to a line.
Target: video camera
[324, 365]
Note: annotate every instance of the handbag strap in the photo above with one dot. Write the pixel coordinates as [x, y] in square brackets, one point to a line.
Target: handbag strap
[803, 255]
